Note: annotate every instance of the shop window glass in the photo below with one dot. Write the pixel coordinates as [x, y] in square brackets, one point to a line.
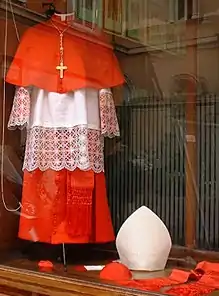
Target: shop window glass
[109, 147]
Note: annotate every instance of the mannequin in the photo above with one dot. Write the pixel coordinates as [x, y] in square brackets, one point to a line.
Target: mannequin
[67, 113]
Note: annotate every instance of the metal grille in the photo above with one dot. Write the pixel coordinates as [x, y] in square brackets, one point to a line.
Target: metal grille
[146, 166]
[208, 175]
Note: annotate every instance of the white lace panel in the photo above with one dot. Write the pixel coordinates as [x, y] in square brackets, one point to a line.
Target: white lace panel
[109, 122]
[64, 148]
[20, 112]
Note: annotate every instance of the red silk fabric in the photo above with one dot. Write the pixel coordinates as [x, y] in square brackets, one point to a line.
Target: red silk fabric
[204, 280]
[199, 282]
[65, 207]
[90, 64]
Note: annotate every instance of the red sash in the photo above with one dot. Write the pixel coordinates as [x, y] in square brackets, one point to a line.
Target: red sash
[201, 281]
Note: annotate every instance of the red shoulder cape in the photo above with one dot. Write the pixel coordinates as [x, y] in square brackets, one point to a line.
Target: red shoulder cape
[89, 64]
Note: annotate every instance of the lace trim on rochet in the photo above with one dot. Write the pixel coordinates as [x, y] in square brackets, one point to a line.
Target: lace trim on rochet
[64, 148]
[109, 122]
[20, 113]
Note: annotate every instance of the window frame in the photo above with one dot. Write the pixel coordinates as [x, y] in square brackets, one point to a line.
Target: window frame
[174, 10]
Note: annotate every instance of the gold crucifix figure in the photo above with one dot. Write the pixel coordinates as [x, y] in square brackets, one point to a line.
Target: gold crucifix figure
[61, 68]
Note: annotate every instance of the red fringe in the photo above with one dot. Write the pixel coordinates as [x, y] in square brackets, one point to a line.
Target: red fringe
[80, 186]
[79, 212]
[149, 284]
[194, 289]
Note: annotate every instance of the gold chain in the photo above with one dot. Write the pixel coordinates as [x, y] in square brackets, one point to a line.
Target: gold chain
[61, 67]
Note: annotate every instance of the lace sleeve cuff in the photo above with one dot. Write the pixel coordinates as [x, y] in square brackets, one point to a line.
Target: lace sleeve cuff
[109, 122]
[20, 112]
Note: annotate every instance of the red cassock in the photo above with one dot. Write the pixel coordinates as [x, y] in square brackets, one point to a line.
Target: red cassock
[64, 193]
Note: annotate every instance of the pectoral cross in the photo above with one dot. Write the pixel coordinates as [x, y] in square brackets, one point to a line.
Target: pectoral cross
[61, 68]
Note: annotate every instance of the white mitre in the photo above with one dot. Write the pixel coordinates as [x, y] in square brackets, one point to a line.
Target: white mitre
[143, 241]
